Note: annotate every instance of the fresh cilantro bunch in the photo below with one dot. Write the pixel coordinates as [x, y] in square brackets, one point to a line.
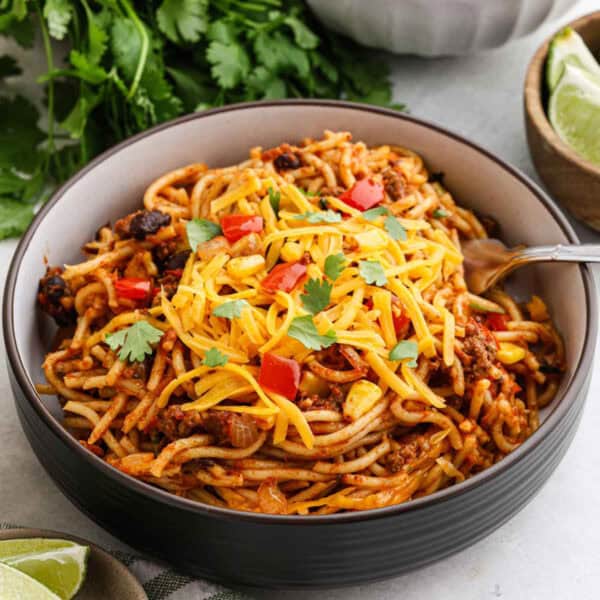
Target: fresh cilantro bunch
[130, 65]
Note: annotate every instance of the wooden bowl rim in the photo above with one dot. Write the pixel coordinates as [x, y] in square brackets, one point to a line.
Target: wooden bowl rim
[533, 99]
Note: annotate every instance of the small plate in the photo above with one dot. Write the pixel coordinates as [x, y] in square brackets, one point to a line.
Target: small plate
[106, 576]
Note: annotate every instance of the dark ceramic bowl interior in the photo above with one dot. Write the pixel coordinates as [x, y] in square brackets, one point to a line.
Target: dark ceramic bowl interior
[259, 549]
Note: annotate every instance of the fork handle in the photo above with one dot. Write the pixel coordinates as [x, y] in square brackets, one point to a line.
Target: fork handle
[560, 252]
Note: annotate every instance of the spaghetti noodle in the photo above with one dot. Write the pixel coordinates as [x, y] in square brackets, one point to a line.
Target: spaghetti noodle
[294, 335]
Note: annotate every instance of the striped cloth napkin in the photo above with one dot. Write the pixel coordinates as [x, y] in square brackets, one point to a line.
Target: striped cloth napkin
[162, 583]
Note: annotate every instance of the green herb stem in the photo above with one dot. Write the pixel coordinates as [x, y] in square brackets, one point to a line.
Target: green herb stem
[139, 71]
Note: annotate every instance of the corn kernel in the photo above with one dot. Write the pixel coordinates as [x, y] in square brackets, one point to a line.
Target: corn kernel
[291, 252]
[361, 398]
[537, 309]
[510, 353]
[245, 266]
[311, 384]
[371, 240]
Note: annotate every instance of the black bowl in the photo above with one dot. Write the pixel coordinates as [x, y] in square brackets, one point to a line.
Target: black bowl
[294, 551]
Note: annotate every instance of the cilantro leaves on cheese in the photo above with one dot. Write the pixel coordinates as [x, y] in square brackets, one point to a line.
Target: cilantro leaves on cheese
[214, 358]
[405, 349]
[232, 309]
[317, 295]
[372, 272]
[304, 330]
[201, 230]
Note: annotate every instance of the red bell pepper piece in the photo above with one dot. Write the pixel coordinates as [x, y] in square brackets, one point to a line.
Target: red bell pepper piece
[496, 322]
[237, 226]
[364, 194]
[284, 277]
[279, 375]
[133, 288]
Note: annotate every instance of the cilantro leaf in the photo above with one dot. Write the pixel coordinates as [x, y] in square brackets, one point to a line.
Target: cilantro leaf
[405, 349]
[183, 20]
[280, 54]
[8, 67]
[440, 213]
[201, 230]
[19, 134]
[373, 213]
[334, 265]
[14, 217]
[303, 36]
[317, 296]
[275, 200]
[304, 330]
[372, 272]
[58, 14]
[328, 216]
[394, 228]
[134, 341]
[265, 84]
[76, 120]
[214, 358]
[231, 309]
[230, 63]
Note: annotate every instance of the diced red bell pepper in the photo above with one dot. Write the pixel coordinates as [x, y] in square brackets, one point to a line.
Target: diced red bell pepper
[364, 194]
[279, 375]
[237, 226]
[284, 277]
[401, 321]
[496, 322]
[133, 288]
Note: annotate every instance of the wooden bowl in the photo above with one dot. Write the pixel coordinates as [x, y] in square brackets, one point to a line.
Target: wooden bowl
[571, 179]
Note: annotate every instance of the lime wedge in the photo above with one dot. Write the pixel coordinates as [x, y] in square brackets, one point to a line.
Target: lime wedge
[15, 585]
[567, 48]
[59, 565]
[574, 111]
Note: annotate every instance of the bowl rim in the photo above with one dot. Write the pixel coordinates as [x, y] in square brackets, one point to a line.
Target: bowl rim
[534, 107]
[580, 374]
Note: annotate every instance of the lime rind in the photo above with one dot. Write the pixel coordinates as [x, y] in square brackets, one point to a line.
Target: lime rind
[567, 48]
[61, 567]
[13, 548]
[16, 585]
[574, 112]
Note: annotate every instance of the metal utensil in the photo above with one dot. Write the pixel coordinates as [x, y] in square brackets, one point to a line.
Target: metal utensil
[487, 261]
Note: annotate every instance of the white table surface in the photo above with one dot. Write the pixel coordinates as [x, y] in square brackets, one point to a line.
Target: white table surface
[551, 549]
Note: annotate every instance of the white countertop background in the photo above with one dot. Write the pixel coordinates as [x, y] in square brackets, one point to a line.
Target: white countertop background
[551, 549]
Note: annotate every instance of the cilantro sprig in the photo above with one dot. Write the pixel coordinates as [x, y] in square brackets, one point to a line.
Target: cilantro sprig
[231, 309]
[406, 349]
[214, 358]
[132, 65]
[394, 228]
[317, 295]
[135, 341]
[372, 272]
[201, 230]
[335, 265]
[305, 331]
[373, 213]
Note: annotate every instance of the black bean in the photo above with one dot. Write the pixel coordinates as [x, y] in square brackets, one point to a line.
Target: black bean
[147, 223]
[287, 160]
[54, 287]
[176, 261]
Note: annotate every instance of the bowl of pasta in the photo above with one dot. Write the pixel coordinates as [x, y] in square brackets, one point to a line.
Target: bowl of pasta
[253, 354]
